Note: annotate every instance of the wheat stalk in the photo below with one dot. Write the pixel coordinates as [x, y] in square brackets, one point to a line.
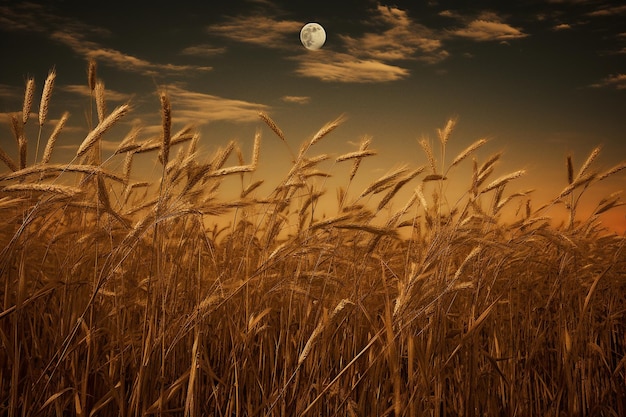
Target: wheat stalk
[28, 99]
[18, 130]
[365, 142]
[166, 123]
[323, 323]
[41, 168]
[47, 153]
[570, 170]
[355, 155]
[444, 134]
[425, 144]
[326, 129]
[503, 180]
[45, 97]
[384, 182]
[579, 181]
[128, 144]
[617, 168]
[592, 156]
[469, 150]
[101, 106]
[65, 190]
[385, 200]
[91, 74]
[8, 161]
[102, 127]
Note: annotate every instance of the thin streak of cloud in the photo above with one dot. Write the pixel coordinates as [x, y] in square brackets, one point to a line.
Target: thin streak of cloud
[296, 99]
[608, 11]
[348, 69]
[562, 26]
[616, 81]
[199, 108]
[37, 18]
[118, 59]
[11, 92]
[258, 30]
[489, 30]
[84, 91]
[30, 17]
[203, 50]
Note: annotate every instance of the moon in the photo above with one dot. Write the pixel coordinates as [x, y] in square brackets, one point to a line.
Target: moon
[312, 36]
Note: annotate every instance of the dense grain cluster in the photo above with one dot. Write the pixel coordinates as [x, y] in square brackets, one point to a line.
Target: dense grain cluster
[128, 296]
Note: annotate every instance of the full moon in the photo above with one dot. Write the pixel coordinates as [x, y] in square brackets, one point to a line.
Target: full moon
[312, 36]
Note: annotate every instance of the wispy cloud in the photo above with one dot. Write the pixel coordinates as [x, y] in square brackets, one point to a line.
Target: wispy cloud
[204, 50]
[397, 37]
[608, 11]
[617, 81]
[36, 18]
[11, 92]
[562, 26]
[84, 91]
[391, 36]
[296, 99]
[258, 30]
[339, 67]
[488, 27]
[199, 108]
[118, 59]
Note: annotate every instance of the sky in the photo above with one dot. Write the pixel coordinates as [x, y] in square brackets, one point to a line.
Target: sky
[539, 79]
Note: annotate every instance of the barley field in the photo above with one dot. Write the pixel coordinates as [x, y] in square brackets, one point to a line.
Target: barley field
[177, 296]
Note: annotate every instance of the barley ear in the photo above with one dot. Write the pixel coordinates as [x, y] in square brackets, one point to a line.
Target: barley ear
[47, 153]
[166, 121]
[326, 129]
[503, 180]
[256, 150]
[99, 130]
[91, 74]
[270, 123]
[4, 157]
[444, 134]
[592, 156]
[460, 157]
[45, 97]
[570, 170]
[101, 107]
[429, 154]
[18, 132]
[28, 99]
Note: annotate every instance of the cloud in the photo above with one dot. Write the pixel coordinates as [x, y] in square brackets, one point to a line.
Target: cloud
[371, 57]
[257, 30]
[397, 37]
[118, 59]
[488, 30]
[296, 99]
[608, 11]
[84, 91]
[36, 18]
[204, 50]
[562, 26]
[617, 81]
[12, 92]
[449, 13]
[199, 108]
[346, 68]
